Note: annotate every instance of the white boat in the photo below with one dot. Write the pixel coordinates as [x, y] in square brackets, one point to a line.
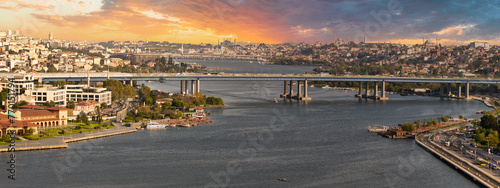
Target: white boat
[275, 100]
[376, 129]
[326, 87]
[155, 125]
[185, 125]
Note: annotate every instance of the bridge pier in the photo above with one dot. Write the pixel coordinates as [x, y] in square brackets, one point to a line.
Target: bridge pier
[449, 90]
[291, 95]
[459, 90]
[360, 90]
[182, 87]
[383, 97]
[197, 86]
[441, 90]
[467, 91]
[186, 91]
[367, 92]
[193, 91]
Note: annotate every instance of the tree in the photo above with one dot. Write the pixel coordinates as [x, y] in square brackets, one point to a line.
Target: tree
[489, 122]
[52, 69]
[71, 105]
[104, 105]
[178, 103]
[409, 127]
[461, 116]
[49, 104]
[82, 117]
[59, 83]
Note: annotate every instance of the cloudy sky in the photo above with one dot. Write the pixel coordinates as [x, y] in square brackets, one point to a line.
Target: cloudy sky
[269, 21]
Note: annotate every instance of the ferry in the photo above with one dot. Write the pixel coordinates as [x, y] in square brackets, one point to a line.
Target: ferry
[155, 125]
[376, 129]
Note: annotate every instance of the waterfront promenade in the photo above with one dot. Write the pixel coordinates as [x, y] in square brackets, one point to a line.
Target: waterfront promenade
[482, 176]
[61, 142]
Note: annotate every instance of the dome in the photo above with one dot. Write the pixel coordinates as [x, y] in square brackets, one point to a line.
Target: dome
[429, 42]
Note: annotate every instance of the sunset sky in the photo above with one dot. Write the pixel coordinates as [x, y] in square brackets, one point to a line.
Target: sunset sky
[196, 21]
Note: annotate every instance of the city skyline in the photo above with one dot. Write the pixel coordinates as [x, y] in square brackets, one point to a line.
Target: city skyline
[197, 21]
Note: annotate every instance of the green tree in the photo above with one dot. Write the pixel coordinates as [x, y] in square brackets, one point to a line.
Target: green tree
[52, 69]
[178, 103]
[489, 122]
[408, 127]
[104, 105]
[70, 105]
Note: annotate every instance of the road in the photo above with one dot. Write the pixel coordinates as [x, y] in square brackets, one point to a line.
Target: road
[488, 178]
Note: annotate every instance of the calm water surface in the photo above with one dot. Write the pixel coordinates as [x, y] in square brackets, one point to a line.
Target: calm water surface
[323, 143]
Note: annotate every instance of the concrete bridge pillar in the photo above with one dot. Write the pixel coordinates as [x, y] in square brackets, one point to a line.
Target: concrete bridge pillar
[197, 86]
[291, 89]
[367, 92]
[186, 83]
[285, 90]
[383, 89]
[182, 87]
[376, 90]
[305, 88]
[441, 90]
[299, 89]
[459, 91]
[360, 90]
[467, 90]
[193, 91]
[449, 89]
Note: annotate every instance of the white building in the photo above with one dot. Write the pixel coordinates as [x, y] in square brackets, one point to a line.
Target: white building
[84, 93]
[42, 95]
[26, 81]
[476, 44]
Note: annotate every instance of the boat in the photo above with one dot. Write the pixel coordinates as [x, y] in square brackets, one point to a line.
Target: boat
[376, 129]
[311, 86]
[275, 100]
[326, 87]
[155, 125]
[185, 125]
[282, 179]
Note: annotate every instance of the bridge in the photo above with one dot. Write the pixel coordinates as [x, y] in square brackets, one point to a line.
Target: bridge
[289, 81]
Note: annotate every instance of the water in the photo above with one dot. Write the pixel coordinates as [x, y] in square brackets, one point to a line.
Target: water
[323, 143]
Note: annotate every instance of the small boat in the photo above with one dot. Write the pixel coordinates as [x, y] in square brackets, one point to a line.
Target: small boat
[326, 87]
[275, 100]
[185, 125]
[282, 179]
[311, 86]
[376, 129]
[155, 125]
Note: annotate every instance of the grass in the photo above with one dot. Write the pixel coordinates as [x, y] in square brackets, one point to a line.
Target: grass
[7, 143]
[80, 128]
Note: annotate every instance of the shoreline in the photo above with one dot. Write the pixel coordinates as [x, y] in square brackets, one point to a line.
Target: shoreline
[61, 142]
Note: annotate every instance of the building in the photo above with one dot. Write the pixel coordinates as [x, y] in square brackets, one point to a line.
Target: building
[51, 37]
[86, 106]
[26, 81]
[476, 44]
[20, 127]
[33, 117]
[84, 93]
[47, 94]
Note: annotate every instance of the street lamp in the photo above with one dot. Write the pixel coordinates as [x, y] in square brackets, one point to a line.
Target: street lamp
[489, 165]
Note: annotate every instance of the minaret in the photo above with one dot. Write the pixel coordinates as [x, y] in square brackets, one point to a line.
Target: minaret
[348, 37]
[182, 49]
[423, 40]
[333, 38]
[88, 79]
[364, 39]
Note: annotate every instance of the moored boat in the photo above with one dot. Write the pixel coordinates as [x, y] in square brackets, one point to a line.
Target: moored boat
[155, 125]
[376, 129]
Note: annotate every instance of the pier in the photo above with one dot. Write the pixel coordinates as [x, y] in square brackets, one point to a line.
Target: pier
[301, 85]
